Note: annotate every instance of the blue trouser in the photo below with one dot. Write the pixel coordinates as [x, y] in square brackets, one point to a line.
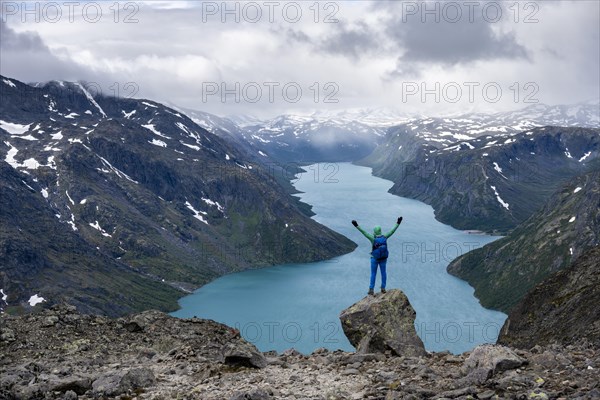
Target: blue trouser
[381, 264]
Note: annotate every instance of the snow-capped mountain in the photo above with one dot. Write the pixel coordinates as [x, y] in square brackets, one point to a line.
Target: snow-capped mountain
[106, 199]
[379, 117]
[348, 135]
[447, 131]
[298, 138]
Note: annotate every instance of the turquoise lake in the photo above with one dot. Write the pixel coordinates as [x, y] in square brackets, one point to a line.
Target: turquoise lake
[297, 305]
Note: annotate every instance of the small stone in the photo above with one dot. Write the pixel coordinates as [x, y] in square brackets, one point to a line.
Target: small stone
[486, 395]
[350, 371]
[538, 395]
[133, 327]
[50, 321]
[70, 395]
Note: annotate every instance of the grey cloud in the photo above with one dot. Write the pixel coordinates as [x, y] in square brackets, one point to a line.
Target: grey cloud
[454, 43]
[352, 42]
[27, 41]
[422, 40]
[25, 56]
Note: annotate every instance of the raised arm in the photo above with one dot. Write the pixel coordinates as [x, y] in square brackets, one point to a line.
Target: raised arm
[390, 233]
[367, 235]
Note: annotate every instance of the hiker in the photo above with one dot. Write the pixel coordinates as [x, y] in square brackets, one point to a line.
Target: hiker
[379, 253]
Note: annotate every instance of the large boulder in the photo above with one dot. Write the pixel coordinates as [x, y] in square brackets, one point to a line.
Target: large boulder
[487, 360]
[383, 322]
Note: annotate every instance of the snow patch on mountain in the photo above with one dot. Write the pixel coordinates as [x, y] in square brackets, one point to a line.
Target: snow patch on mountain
[213, 204]
[57, 136]
[97, 226]
[158, 143]
[155, 131]
[69, 197]
[499, 170]
[35, 299]
[128, 114]
[117, 171]
[502, 202]
[9, 83]
[585, 156]
[13, 128]
[197, 214]
[567, 153]
[191, 146]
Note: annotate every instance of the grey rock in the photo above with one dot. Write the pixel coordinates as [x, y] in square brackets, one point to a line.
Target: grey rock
[360, 358]
[486, 395]
[133, 326]
[452, 394]
[50, 321]
[113, 384]
[7, 335]
[243, 353]
[381, 323]
[350, 371]
[70, 395]
[487, 360]
[549, 359]
[76, 384]
[108, 384]
[137, 378]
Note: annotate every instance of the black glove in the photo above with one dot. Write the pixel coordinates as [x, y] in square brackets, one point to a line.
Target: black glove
[354, 223]
[399, 220]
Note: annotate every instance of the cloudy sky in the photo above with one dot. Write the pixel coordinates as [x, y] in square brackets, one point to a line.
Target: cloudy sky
[272, 57]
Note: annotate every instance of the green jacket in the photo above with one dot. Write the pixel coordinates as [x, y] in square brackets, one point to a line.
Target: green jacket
[377, 232]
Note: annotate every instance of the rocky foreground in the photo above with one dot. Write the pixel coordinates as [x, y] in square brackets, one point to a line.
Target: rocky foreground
[61, 354]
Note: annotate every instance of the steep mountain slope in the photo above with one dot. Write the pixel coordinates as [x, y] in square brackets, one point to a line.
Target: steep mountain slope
[563, 308]
[145, 186]
[40, 257]
[554, 237]
[490, 183]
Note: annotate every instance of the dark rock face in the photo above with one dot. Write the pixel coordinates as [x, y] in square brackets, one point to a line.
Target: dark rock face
[553, 238]
[383, 322]
[563, 308]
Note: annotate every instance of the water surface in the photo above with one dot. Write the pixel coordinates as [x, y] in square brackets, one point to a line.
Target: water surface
[297, 305]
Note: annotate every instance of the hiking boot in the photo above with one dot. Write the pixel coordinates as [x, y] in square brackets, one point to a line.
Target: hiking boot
[382, 290]
[371, 292]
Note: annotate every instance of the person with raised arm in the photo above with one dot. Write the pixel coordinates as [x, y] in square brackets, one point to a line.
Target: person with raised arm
[379, 253]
